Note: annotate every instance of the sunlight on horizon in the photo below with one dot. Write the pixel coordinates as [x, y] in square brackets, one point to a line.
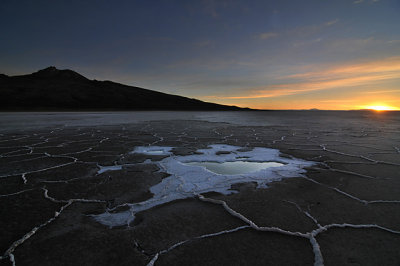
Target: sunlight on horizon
[381, 108]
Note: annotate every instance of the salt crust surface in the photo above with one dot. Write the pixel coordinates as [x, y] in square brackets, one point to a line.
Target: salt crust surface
[187, 181]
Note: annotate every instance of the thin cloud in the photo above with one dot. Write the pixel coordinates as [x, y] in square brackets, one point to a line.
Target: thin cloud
[332, 22]
[302, 32]
[309, 30]
[267, 35]
[298, 88]
[297, 44]
[391, 64]
[384, 91]
[338, 101]
[338, 77]
[358, 1]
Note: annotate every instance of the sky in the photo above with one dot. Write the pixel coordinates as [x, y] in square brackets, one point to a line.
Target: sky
[278, 54]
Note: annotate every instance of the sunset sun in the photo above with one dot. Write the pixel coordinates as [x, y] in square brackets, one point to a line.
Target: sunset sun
[381, 108]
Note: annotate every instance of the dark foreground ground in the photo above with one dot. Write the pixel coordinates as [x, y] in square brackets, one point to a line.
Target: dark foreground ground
[348, 205]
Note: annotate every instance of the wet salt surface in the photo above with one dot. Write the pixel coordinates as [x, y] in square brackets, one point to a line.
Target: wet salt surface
[235, 168]
[187, 179]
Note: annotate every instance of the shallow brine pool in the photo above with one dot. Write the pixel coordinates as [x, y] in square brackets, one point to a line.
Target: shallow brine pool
[215, 168]
[235, 168]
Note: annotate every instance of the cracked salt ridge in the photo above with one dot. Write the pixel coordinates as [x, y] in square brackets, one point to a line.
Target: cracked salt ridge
[323, 146]
[23, 175]
[117, 167]
[149, 150]
[349, 195]
[154, 259]
[186, 181]
[311, 236]
[9, 252]
[16, 193]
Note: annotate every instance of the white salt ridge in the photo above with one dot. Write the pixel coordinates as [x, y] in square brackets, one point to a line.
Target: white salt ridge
[186, 181]
[108, 168]
[153, 150]
[311, 236]
[115, 219]
[116, 167]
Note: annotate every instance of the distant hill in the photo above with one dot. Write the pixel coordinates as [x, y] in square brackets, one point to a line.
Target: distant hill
[51, 89]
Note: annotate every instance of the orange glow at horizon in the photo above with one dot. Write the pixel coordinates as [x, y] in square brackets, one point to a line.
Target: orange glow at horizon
[344, 86]
[352, 102]
[381, 108]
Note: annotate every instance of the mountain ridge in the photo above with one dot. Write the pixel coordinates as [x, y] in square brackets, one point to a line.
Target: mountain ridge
[52, 89]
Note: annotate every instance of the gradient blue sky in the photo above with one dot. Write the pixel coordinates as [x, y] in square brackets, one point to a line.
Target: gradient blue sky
[263, 54]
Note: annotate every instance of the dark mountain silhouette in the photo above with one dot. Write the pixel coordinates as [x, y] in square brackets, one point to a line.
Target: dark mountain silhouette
[64, 90]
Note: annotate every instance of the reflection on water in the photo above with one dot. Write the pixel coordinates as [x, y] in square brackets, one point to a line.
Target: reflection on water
[235, 168]
[156, 152]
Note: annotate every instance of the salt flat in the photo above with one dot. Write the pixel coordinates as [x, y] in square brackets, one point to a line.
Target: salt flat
[58, 171]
